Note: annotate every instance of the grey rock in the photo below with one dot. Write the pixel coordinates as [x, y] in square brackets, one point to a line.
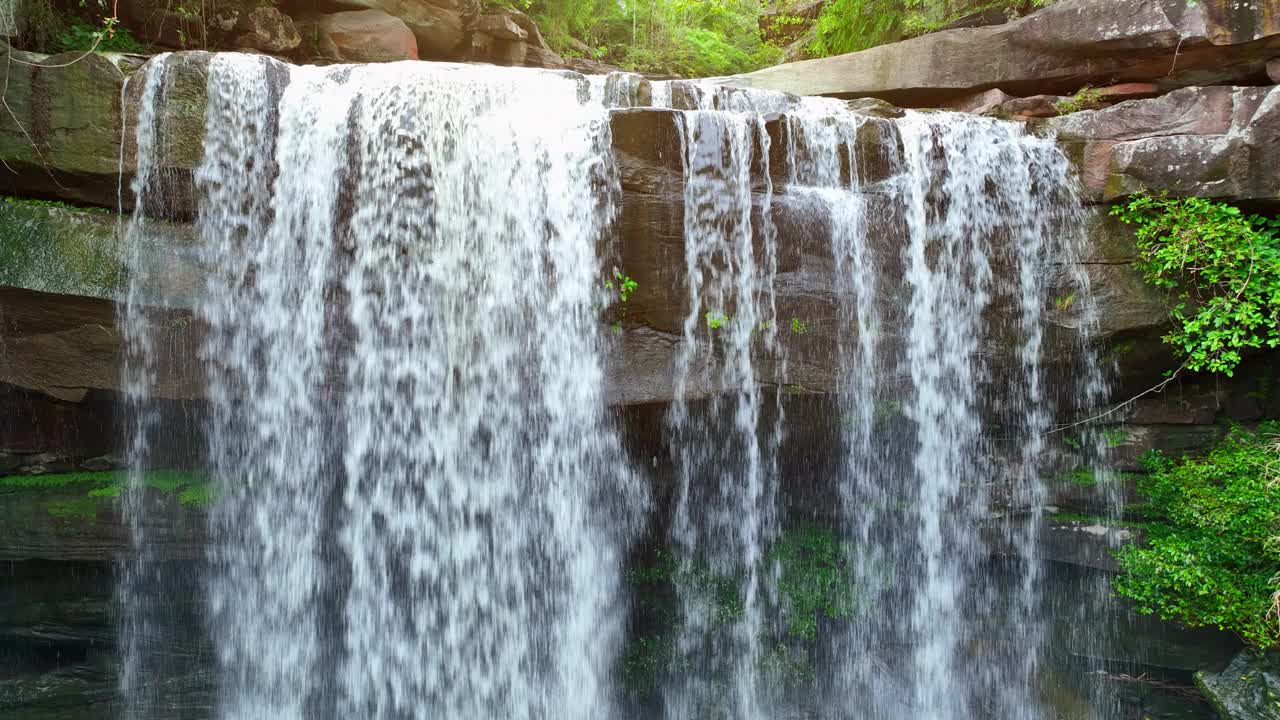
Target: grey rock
[1248, 689]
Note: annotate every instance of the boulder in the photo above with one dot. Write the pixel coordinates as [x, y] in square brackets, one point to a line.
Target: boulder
[1036, 106]
[438, 28]
[1126, 91]
[537, 56]
[269, 30]
[500, 27]
[982, 102]
[1248, 689]
[486, 48]
[1216, 142]
[59, 250]
[364, 36]
[1056, 50]
[62, 136]
[1273, 70]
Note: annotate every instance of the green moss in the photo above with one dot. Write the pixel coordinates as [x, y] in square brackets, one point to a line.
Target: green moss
[192, 488]
[78, 510]
[815, 581]
[51, 247]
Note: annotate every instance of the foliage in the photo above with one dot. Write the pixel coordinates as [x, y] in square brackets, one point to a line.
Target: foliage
[1086, 98]
[815, 579]
[798, 327]
[1222, 269]
[716, 320]
[622, 283]
[852, 25]
[108, 37]
[695, 38]
[625, 287]
[1211, 550]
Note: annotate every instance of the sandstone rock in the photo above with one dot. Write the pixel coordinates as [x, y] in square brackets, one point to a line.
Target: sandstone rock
[1248, 689]
[1213, 142]
[536, 56]
[65, 345]
[59, 251]
[1036, 106]
[63, 137]
[269, 30]
[1127, 91]
[1055, 50]
[874, 107]
[365, 36]
[485, 48]
[500, 27]
[586, 66]
[436, 27]
[980, 103]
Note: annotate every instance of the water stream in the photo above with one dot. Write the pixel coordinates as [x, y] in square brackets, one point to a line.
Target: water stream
[423, 505]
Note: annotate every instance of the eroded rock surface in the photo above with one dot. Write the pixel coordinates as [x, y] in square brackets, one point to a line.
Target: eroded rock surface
[1171, 43]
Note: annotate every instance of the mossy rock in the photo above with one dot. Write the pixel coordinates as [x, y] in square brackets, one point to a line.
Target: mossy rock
[52, 249]
[77, 516]
[1249, 689]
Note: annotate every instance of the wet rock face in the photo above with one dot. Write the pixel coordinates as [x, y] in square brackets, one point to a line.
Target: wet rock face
[1055, 50]
[1217, 142]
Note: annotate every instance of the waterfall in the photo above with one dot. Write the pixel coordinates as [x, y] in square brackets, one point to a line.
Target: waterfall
[423, 506]
[940, 441]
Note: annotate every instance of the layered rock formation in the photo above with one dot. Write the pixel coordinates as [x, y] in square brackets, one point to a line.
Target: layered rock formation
[1056, 50]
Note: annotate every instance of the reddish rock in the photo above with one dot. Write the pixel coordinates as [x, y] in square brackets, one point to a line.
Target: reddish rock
[437, 27]
[365, 36]
[500, 27]
[982, 102]
[1036, 106]
[1216, 142]
[543, 58]
[1127, 91]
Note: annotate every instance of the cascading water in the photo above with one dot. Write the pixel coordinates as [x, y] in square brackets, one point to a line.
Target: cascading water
[924, 413]
[422, 506]
[724, 510]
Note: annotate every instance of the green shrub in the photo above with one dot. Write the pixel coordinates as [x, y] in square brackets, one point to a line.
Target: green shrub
[1222, 269]
[79, 36]
[1211, 551]
[1086, 98]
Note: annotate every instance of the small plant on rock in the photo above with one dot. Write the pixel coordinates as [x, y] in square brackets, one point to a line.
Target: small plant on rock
[1086, 98]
